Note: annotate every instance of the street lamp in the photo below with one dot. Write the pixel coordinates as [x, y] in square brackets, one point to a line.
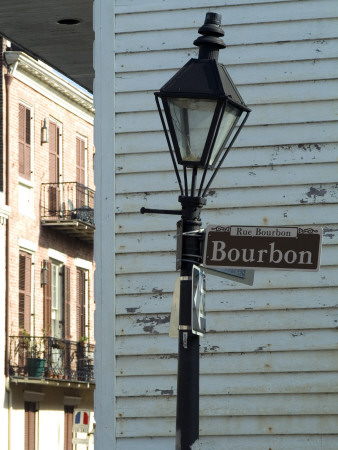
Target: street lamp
[202, 114]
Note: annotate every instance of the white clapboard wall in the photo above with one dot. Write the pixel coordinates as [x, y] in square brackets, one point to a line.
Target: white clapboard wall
[269, 361]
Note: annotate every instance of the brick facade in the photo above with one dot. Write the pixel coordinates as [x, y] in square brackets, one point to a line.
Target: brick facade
[29, 227]
[43, 94]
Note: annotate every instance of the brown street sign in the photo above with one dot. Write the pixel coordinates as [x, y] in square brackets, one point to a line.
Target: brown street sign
[254, 247]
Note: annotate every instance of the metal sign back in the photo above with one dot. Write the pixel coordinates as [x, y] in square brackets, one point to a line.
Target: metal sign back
[198, 316]
[254, 247]
[243, 276]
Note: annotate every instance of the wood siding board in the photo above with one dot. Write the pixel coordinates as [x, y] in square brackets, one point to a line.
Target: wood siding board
[233, 363]
[260, 94]
[273, 216]
[233, 342]
[218, 322]
[243, 442]
[157, 283]
[236, 178]
[232, 384]
[269, 114]
[234, 55]
[236, 35]
[233, 426]
[240, 300]
[286, 135]
[234, 405]
[243, 14]
[236, 198]
[238, 157]
[278, 71]
[129, 6]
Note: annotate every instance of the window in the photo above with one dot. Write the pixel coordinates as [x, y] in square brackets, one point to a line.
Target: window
[81, 172]
[47, 300]
[24, 142]
[54, 168]
[57, 301]
[81, 161]
[68, 428]
[82, 303]
[25, 290]
[30, 425]
[66, 300]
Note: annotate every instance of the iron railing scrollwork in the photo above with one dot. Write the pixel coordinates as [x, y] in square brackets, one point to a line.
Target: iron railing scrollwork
[63, 359]
[67, 201]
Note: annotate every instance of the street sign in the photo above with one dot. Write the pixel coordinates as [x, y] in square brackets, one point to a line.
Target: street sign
[253, 247]
[243, 276]
[198, 317]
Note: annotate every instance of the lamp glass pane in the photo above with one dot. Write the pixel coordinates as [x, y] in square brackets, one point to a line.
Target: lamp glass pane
[191, 119]
[230, 118]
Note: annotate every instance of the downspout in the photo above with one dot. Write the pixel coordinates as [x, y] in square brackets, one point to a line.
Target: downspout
[8, 82]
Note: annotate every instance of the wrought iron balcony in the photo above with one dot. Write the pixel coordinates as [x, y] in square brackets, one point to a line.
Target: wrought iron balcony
[68, 207]
[62, 360]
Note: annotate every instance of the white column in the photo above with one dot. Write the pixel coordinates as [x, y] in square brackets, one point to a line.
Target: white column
[104, 246]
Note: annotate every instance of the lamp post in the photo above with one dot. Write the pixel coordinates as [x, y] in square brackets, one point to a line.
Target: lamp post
[202, 114]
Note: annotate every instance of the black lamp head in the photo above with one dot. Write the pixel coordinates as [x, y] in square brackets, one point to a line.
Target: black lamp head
[201, 104]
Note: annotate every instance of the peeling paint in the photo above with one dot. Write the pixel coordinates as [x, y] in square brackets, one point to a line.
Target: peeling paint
[212, 348]
[151, 322]
[150, 329]
[154, 320]
[330, 232]
[133, 310]
[299, 333]
[165, 391]
[212, 193]
[314, 192]
[157, 291]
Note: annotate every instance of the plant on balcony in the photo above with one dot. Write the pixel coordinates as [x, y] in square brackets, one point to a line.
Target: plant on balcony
[34, 354]
[83, 340]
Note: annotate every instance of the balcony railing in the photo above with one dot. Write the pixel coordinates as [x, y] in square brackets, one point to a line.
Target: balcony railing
[68, 207]
[63, 360]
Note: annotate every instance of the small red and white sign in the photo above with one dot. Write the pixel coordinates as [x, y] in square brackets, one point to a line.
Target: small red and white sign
[81, 421]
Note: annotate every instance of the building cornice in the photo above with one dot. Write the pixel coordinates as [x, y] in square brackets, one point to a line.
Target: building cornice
[20, 62]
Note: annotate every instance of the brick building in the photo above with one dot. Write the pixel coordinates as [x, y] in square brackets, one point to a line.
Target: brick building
[47, 229]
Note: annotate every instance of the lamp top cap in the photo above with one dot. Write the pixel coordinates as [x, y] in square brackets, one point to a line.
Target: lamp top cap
[210, 42]
[214, 18]
[212, 25]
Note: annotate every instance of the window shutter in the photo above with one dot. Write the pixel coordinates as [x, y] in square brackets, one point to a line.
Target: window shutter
[53, 153]
[80, 171]
[80, 161]
[68, 427]
[24, 142]
[25, 266]
[66, 299]
[54, 156]
[30, 415]
[47, 301]
[80, 304]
